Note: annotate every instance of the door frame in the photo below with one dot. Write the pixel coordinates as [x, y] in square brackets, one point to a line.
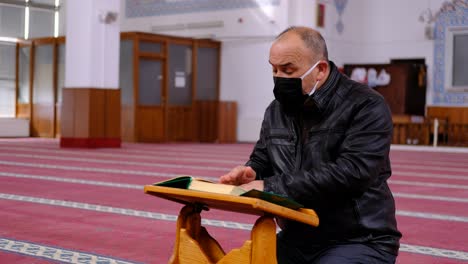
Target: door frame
[35, 43]
[161, 57]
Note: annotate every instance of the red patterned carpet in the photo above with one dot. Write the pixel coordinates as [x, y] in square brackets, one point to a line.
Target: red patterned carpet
[88, 206]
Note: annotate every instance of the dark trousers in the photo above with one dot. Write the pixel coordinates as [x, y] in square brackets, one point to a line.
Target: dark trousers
[288, 253]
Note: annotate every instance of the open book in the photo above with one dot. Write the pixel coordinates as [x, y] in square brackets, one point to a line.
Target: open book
[191, 183]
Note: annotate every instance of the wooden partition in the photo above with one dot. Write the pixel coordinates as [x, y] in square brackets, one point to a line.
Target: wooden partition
[39, 102]
[173, 91]
[169, 89]
[227, 126]
[180, 123]
[207, 117]
[411, 130]
[456, 128]
[451, 124]
[216, 121]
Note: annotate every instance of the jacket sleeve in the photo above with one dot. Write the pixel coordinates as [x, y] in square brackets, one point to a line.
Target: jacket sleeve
[259, 159]
[360, 158]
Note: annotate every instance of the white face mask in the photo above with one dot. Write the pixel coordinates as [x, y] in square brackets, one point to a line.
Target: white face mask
[307, 73]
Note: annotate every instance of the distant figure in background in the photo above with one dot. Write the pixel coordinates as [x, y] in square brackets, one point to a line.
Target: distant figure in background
[325, 143]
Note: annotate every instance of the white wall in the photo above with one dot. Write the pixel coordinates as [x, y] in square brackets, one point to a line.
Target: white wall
[375, 31]
[246, 78]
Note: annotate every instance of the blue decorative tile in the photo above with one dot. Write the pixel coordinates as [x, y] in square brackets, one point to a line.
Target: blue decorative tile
[339, 26]
[340, 6]
[55, 253]
[446, 19]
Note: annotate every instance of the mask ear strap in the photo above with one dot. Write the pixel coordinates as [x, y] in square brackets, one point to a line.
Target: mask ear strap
[313, 89]
[311, 69]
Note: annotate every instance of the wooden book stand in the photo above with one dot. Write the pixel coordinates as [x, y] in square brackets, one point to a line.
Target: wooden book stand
[193, 244]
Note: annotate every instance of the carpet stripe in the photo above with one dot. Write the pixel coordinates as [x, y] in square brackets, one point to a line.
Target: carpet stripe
[89, 169]
[223, 169]
[438, 149]
[121, 211]
[453, 254]
[170, 175]
[427, 167]
[139, 187]
[164, 156]
[55, 253]
[430, 197]
[155, 156]
[430, 184]
[212, 168]
[433, 216]
[71, 180]
[120, 162]
[431, 163]
[136, 149]
[167, 217]
[429, 175]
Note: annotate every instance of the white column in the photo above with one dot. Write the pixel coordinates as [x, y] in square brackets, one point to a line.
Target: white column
[92, 44]
[91, 98]
[302, 13]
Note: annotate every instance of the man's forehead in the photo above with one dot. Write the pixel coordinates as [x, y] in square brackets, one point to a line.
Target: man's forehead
[283, 52]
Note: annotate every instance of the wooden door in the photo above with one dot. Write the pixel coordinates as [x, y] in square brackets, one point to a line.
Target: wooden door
[43, 89]
[23, 80]
[206, 106]
[180, 123]
[60, 83]
[150, 116]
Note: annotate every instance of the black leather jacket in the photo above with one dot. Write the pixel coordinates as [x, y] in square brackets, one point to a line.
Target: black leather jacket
[333, 156]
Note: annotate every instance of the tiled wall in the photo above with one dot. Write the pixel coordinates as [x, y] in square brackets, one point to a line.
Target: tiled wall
[143, 8]
[459, 17]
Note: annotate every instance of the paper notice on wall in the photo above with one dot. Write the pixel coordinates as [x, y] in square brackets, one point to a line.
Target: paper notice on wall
[179, 81]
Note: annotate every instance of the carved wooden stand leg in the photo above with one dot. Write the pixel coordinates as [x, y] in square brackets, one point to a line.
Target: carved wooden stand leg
[194, 245]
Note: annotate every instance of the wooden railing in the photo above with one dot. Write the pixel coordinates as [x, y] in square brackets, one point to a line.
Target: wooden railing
[428, 131]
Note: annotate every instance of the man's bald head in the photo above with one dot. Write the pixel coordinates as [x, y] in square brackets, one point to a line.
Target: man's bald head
[312, 39]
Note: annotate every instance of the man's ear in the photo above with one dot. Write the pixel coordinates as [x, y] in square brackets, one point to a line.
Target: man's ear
[323, 68]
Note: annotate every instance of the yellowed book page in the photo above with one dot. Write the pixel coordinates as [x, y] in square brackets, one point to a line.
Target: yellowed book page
[201, 185]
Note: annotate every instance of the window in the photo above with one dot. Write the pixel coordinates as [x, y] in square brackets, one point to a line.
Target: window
[11, 21]
[22, 19]
[41, 23]
[7, 80]
[456, 59]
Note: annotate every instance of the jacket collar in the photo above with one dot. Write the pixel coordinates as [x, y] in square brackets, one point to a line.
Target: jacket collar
[322, 96]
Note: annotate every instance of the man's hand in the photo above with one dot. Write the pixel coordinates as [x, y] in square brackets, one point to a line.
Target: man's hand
[258, 185]
[238, 176]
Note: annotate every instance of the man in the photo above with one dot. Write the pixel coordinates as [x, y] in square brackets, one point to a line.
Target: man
[325, 143]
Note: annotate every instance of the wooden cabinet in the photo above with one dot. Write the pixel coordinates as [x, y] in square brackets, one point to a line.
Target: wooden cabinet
[406, 92]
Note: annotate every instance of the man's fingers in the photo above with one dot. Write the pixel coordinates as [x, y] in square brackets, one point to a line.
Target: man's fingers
[248, 175]
[225, 179]
[230, 177]
[235, 176]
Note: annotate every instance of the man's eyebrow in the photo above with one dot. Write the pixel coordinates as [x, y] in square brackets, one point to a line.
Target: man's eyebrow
[283, 65]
